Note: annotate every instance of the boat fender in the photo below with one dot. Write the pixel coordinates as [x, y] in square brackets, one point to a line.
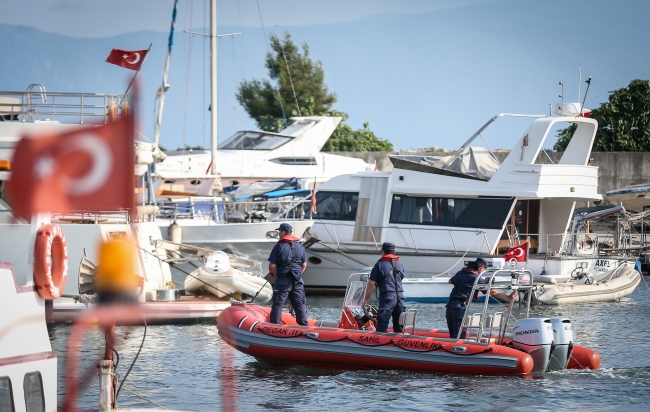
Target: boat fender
[50, 261]
[175, 232]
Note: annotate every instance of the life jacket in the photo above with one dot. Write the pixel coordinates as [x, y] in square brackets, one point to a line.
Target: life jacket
[289, 238]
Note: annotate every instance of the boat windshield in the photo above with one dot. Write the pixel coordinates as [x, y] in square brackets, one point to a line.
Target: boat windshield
[356, 293]
[248, 140]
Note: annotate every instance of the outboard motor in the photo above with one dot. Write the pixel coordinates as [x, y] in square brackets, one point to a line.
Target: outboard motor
[535, 337]
[563, 338]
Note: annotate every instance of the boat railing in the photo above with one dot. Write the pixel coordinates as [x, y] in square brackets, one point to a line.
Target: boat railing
[94, 217]
[218, 210]
[39, 105]
[519, 280]
[407, 239]
[586, 243]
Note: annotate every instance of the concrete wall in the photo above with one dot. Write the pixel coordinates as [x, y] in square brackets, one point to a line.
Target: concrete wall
[615, 169]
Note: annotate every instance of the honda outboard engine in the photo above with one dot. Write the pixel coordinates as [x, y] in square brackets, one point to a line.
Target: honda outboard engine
[563, 339]
[535, 337]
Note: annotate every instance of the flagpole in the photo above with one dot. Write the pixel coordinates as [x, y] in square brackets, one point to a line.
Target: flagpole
[126, 93]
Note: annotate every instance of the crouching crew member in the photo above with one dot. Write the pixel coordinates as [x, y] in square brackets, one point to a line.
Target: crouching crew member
[463, 282]
[287, 262]
[387, 274]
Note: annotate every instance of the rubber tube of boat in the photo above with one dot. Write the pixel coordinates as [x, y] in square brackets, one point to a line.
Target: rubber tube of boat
[563, 338]
[175, 233]
[535, 337]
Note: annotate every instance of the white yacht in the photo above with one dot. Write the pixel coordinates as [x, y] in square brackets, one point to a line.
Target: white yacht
[440, 217]
[252, 156]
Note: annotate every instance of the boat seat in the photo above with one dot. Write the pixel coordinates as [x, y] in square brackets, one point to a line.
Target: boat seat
[472, 326]
[408, 319]
[493, 324]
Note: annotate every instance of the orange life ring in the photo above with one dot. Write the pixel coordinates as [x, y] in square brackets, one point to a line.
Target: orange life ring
[50, 261]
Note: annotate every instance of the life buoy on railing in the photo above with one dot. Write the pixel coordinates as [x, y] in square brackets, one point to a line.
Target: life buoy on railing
[50, 261]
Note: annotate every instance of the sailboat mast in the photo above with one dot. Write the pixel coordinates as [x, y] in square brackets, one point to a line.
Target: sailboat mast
[213, 84]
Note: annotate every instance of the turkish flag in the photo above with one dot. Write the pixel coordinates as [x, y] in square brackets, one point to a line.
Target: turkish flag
[518, 253]
[129, 59]
[89, 169]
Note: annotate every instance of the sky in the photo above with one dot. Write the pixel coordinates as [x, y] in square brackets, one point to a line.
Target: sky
[422, 73]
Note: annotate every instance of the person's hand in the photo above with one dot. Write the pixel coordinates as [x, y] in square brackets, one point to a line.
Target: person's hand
[513, 295]
[271, 276]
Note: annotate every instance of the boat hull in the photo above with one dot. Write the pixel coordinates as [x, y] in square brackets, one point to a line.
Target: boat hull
[244, 327]
[609, 290]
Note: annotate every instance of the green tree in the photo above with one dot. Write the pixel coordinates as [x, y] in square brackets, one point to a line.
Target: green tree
[292, 70]
[345, 139]
[623, 122]
[297, 72]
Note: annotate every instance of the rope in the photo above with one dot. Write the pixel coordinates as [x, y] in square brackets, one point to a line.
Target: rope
[187, 273]
[644, 281]
[461, 258]
[144, 335]
[142, 397]
[295, 98]
[284, 116]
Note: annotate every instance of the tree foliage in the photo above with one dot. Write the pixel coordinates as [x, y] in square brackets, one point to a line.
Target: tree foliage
[623, 121]
[269, 105]
[345, 139]
[262, 100]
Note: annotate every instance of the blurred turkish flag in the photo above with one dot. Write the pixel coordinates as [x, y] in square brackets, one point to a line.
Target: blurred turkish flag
[89, 169]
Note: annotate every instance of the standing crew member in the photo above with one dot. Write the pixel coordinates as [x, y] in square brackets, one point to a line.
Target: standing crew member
[463, 282]
[287, 262]
[388, 274]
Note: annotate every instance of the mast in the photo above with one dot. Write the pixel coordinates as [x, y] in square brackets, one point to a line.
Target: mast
[213, 84]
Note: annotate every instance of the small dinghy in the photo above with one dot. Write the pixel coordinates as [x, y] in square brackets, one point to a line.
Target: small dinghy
[534, 345]
[581, 287]
[219, 278]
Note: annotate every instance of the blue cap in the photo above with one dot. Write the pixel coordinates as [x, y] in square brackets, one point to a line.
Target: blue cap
[388, 247]
[481, 262]
[285, 227]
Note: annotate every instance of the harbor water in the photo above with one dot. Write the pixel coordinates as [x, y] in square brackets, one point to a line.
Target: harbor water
[188, 367]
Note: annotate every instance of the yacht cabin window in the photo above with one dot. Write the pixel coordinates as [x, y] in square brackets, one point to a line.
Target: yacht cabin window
[297, 161]
[479, 213]
[248, 140]
[6, 395]
[336, 205]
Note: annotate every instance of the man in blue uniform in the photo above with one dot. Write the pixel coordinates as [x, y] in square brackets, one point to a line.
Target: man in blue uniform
[286, 263]
[463, 282]
[387, 274]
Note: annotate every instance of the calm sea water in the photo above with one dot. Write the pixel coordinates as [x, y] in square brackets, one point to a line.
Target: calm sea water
[189, 368]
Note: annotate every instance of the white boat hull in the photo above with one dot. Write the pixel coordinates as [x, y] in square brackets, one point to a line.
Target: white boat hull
[228, 283]
[622, 285]
[243, 239]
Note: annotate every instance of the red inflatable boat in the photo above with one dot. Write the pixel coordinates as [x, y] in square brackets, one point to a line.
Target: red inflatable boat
[352, 343]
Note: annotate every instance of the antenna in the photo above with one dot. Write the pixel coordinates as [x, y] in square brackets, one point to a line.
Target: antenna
[588, 81]
[579, 81]
[562, 97]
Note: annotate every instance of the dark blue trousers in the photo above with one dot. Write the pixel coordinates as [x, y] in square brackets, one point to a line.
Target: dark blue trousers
[389, 306]
[294, 289]
[455, 313]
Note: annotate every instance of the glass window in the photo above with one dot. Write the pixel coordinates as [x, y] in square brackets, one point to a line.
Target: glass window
[481, 213]
[247, 140]
[33, 388]
[299, 161]
[6, 395]
[335, 205]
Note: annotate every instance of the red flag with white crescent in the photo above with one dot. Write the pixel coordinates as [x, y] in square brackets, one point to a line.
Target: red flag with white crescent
[89, 168]
[519, 253]
[129, 59]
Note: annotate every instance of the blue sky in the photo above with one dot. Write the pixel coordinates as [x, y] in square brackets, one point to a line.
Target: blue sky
[422, 73]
